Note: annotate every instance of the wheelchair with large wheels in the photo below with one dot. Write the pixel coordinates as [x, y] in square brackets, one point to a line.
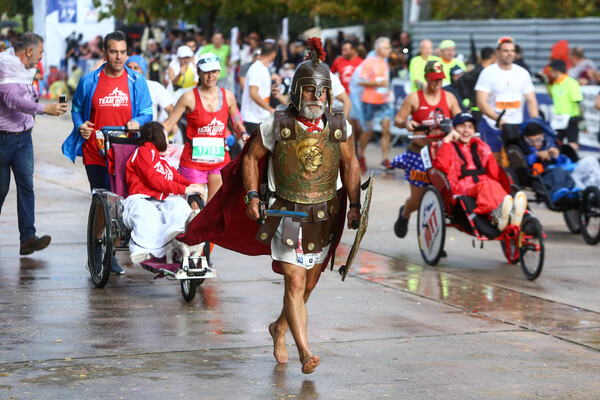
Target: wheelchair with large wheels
[106, 232]
[581, 212]
[439, 209]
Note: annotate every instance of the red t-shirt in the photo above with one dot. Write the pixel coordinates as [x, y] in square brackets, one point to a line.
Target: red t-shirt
[111, 106]
[204, 124]
[345, 68]
[426, 112]
[151, 174]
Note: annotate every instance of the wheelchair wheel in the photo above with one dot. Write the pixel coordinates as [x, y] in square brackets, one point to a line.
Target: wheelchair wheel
[531, 247]
[431, 227]
[573, 220]
[99, 241]
[590, 216]
[188, 289]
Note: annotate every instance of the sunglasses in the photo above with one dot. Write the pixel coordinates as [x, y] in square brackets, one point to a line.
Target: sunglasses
[208, 60]
[505, 39]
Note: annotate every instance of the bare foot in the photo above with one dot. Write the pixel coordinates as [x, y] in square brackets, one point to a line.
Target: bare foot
[279, 350]
[309, 364]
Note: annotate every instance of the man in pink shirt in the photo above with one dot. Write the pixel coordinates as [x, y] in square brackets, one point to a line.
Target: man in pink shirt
[374, 77]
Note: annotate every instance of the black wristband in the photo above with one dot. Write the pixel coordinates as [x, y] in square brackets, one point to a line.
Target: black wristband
[253, 194]
[355, 205]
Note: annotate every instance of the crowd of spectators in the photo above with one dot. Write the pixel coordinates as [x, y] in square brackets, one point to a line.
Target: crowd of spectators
[171, 58]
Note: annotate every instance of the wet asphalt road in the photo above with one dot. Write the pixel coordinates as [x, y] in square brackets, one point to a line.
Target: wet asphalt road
[471, 328]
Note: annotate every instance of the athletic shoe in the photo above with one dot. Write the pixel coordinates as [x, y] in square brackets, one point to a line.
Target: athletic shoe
[363, 165]
[139, 257]
[386, 164]
[115, 268]
[401, 225]
[519, 207]
[501, 214]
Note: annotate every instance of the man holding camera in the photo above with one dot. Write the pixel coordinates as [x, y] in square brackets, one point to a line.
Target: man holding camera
[18, 106]
[428, 107]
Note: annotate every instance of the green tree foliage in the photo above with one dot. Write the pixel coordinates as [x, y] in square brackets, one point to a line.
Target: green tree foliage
[484, 9]
[252, 11]
[15, 8]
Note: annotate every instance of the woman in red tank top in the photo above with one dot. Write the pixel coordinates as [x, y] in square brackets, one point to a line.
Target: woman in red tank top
[207, 108]
[427, 106]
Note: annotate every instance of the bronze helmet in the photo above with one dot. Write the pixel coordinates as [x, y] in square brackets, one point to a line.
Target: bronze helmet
[311, 73]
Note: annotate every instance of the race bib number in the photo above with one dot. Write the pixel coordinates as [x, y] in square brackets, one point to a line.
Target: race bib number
[308, 260]
[560, 121]
[511, 106]
[208, 150]
[425, 157]
[507, 104]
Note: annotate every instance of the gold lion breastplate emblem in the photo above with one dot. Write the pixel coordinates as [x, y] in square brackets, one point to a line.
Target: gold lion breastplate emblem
[306, 167]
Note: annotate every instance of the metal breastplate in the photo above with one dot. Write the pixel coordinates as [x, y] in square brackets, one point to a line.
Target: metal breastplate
[306, 165]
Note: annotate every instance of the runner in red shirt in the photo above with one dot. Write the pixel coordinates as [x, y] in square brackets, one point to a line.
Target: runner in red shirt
[346, 64]
[109, 96]
[207, 108]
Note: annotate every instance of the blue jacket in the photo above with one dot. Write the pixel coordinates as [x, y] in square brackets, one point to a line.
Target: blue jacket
[141, 106]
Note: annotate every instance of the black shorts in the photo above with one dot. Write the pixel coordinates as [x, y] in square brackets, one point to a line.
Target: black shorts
[572, 131]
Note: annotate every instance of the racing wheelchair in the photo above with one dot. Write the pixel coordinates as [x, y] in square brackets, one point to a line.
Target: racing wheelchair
[440, 208]
[581, 212]
[106, 232]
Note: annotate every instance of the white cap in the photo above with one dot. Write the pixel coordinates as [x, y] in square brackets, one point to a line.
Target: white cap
[209, 62]
[184, 51]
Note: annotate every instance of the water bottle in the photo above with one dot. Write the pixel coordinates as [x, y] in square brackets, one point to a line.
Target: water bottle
[100, 143]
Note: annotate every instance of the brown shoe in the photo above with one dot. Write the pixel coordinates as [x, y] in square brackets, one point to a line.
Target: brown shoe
[35, 244]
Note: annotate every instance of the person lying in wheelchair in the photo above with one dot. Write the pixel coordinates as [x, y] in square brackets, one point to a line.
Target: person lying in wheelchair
[154, 211]
[545, 158]
[472, 170]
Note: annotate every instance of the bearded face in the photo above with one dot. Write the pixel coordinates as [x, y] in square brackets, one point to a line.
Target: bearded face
[312, 110]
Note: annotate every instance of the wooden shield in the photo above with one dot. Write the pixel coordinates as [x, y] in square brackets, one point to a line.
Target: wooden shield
[362, 228]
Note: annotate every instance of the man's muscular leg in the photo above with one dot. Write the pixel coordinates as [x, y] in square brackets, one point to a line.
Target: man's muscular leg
[299, 283]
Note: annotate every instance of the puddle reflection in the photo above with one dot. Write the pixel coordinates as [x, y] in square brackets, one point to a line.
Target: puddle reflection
[279, 376]
[507, 305]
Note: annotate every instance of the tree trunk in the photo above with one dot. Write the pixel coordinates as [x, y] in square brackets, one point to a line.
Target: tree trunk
[210, 22]
[24, 19]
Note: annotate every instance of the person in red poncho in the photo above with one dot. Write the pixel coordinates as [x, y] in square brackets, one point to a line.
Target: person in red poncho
[472, 171]
[154, 209]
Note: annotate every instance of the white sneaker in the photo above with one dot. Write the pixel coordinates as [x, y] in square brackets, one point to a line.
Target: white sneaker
[501, 214]
[138, 257]
[519, 207]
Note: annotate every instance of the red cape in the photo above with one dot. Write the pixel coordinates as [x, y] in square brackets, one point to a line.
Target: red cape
[223, 221]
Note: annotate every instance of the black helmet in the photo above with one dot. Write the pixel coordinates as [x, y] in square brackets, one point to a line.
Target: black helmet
[311, 73]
